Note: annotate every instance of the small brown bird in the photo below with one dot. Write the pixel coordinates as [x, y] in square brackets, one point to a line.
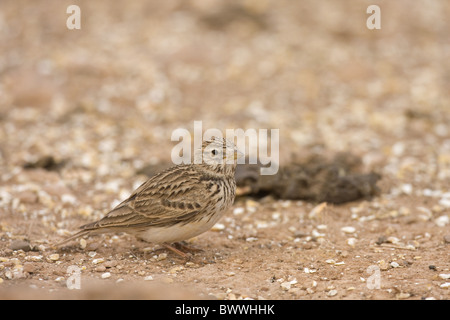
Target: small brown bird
[178, 203]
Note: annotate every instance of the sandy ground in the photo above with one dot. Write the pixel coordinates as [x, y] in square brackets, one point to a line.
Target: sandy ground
[83, 111]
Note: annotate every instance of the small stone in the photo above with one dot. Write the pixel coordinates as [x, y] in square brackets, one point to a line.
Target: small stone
[97, 261]
[238, 211]
[69, 199]
[54, 257]
[447, 238]
[148, 278]
[93, 246]
[8, 275]
[445, 285]
[332, 293]
[442, 221]
[393, 240]
[348, 229]
[220, 295]
[218, 227]
[34, 258]
[403, 295]
[110, 264]
[100, 269]
[407, 188]
[445, 202]
[394, 264]
[83, 243]
[106, 275]
[29, 267]
[175, 269]
[383, 265]
[351, 242]
[20, 245]
[286, 285]
[444, 276]
[162, 256]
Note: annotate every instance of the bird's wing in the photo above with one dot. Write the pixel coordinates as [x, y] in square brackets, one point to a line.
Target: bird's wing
[167, 198]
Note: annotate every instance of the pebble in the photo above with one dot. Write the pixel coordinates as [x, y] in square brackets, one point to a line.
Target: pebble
[110, 264]
[445, 202]
[442, 221]
[69, 199]
[444, 276]
[97, 261]
[447, 238]
[286, 285]
[218, 227]
[393, 240]
[100, 269]
[162, 256]
[20, 245]
[445, 285]
[106, 275]
[83, 243]
[175, 269]
[332, 293]
[351, 242]
[348, 229]
[148, 278]
[407, 188]
[383, 265]
[54, 257]
[29, 267]
[403, 295]
[238, 211]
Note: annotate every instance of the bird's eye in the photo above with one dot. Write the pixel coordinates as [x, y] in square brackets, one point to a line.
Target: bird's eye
[214, 152]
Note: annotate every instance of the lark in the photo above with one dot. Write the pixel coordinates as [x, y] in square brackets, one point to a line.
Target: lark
[179, 203]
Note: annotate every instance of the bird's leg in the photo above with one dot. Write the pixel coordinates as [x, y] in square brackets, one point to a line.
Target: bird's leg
[175, 250]
[185, 247]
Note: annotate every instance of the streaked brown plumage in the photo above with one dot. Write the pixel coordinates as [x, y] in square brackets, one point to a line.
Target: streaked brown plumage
[178, 203]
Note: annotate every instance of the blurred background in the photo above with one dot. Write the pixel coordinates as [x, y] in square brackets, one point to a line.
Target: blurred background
[108, 96]
[90, 109]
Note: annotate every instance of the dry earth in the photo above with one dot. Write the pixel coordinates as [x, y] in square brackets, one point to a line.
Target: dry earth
[82, 111]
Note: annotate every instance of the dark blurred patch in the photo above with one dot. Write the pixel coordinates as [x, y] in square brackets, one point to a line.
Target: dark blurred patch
[231, 13]
[46, 162]
[21, 245]
[314, 179]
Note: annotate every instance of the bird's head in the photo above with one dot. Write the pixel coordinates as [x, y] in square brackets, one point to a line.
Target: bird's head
[218, 151]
